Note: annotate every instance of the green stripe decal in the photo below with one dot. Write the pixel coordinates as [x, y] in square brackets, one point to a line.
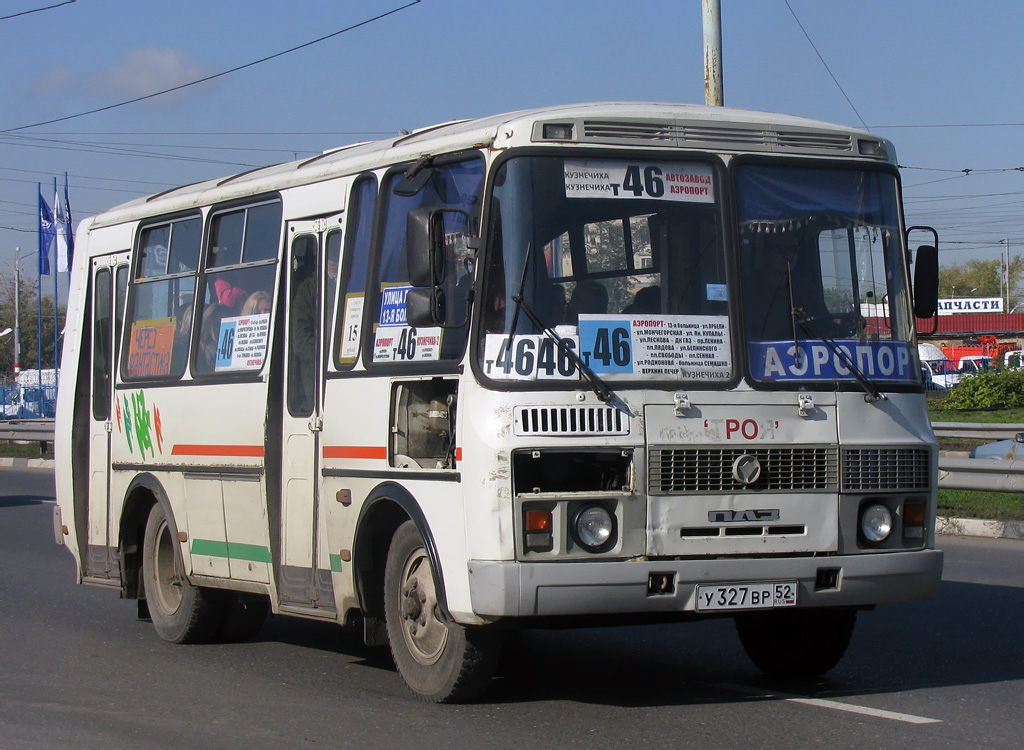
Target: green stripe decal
[335, 563]
[232, 550]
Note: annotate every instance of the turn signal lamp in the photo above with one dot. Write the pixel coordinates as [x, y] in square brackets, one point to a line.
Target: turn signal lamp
[538, 529]
[913, 521]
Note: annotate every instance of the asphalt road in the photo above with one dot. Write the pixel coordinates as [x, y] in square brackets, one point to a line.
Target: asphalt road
[79, 670]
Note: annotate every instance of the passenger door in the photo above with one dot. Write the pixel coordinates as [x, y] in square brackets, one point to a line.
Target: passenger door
[304, 576]
[109, 280]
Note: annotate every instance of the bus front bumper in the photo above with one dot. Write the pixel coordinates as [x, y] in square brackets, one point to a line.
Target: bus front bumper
[515, 589]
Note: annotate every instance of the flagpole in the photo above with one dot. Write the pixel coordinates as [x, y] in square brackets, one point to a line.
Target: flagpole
[39, 300]
[56, 331]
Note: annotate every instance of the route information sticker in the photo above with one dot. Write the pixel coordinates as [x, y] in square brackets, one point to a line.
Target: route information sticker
[396, 341]
[242, 342]
[690, 183]
[663, 347]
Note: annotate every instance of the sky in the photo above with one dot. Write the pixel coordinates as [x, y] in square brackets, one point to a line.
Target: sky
[940, 78]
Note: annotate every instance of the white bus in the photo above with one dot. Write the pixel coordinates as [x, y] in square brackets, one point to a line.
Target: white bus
[571, 366]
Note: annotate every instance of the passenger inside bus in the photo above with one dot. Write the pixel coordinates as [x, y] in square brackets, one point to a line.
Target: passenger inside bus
[646, 301]
[209, 336]
[182, 334]
[766, 288]
[588, 298]
[257, 303]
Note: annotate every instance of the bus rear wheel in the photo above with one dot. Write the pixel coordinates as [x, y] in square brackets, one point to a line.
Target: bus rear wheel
[440, 661]
[181, 612]
[796, 644]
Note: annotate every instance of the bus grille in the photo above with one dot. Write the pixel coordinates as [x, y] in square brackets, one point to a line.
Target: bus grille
[674, 471]
[570, 420]
[888, 469]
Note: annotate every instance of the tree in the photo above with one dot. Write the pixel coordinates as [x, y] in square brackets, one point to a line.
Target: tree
[981, 278]
[29, 326]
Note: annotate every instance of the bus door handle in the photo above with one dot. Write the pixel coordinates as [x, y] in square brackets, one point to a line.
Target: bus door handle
[316, 424]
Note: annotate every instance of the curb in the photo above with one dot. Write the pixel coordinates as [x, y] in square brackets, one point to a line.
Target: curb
[28, 463]
[945, 526]
[979, 527]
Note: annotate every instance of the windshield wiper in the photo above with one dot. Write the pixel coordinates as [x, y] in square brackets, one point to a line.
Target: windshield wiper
[604, 394]
[599, 387]
[804, 321]
[799, 318]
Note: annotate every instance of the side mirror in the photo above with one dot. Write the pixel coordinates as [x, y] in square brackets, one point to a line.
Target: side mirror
[926, 282]
[424, 243]
[426, 308]
[429, 249]
[926, 275]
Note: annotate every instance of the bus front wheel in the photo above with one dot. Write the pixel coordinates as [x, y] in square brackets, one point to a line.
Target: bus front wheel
[796, 644]
[181, 612]
[440, 661]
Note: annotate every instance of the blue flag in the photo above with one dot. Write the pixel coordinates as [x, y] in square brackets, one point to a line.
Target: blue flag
[47, 233]
[67, 218]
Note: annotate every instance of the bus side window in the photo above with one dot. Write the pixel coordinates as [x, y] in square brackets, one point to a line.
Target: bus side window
[354, 265]
[456, 185]
[161, 293]
[233, 321]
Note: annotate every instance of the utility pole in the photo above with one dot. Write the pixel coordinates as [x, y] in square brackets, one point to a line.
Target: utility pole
[17, 313]
[713, 94]
[1006, 275]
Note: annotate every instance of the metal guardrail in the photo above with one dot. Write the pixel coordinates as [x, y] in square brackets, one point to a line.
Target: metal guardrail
[41, 430]
[955, 473]
[976, 430]
[990, 474]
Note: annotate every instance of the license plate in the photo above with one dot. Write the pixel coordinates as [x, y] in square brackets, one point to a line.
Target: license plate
[746, 596]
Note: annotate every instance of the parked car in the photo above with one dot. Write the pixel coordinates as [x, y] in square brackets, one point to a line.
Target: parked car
[929, 381]
[975, 364]
[1001, 449]
[943, 370]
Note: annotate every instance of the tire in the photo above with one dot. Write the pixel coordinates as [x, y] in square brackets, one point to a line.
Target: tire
[796, 644]
[181, 612]
[441, 662]
[243, 619]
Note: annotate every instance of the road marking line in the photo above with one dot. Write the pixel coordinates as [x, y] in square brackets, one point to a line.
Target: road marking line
[823, 703]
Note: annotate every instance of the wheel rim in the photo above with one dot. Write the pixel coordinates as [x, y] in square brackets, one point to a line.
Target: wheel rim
[424, 633]
[165, 571]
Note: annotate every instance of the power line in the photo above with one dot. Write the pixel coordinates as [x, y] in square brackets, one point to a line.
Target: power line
[122, 144]
[834, 79]
[216, 75]
[219, 132]
[954, 125]
[37, 10]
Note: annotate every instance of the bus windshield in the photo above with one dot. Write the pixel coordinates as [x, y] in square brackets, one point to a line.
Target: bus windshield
[822, 287]
[622, 260]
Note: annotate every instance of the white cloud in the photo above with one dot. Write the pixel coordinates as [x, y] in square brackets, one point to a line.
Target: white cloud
[139, 73]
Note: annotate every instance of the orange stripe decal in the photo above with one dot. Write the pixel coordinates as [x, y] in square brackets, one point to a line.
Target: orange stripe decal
[355, 451]
[234, 451]
[458, 453]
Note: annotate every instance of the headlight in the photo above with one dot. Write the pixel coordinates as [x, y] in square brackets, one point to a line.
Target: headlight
[876, 523]
[594, 527]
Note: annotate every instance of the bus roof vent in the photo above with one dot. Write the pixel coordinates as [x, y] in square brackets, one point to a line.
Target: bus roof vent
[724, 136]
[614, 130]
[811, 141]
[570, 421]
